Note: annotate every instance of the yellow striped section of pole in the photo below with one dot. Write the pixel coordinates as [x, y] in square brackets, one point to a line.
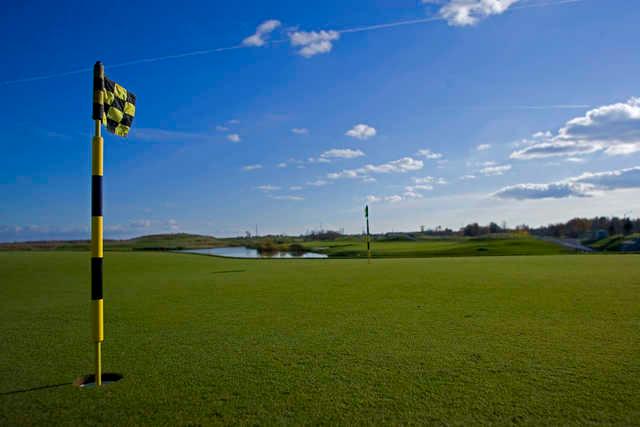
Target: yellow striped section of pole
[97, 147]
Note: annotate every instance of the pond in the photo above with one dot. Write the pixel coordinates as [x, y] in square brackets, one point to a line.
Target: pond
[244, 252]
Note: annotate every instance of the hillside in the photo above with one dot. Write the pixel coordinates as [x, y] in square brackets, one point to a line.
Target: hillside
[159, 242]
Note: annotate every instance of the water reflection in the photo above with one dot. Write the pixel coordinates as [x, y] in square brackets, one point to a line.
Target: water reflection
[244, 252]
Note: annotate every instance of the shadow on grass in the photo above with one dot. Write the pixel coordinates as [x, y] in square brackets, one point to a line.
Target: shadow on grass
[26, 390]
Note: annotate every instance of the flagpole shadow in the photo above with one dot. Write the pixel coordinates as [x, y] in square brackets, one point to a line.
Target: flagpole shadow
[26, 390]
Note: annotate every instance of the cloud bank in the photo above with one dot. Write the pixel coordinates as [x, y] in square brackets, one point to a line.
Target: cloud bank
[585, 185]
[613, 129]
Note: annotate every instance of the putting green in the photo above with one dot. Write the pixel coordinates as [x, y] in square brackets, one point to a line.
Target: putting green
[201, 340]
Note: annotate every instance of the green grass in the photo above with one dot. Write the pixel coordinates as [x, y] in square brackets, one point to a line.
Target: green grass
[440, 247]
[551, 340]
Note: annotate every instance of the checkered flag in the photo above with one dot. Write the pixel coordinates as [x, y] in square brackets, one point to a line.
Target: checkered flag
[119, 108]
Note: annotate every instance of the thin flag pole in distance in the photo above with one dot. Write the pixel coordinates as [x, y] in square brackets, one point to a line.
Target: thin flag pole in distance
[366, 215]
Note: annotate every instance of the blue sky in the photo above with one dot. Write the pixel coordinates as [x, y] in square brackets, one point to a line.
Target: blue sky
[451, 112]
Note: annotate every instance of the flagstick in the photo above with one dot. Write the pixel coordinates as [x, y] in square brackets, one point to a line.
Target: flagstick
[97, 220]
[366, 211]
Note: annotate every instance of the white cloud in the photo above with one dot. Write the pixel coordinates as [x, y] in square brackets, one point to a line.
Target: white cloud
[252, 167]
[623, 149]
[311, 43]
[467, 177]
[295, 188]
[469, 12]
[585, 185]
[412, 195]
[300, 131]
[373, 199]
[267, 188]
[495, 170]
[420, 187]
[292, 198]
[233, 137]
[483, 147]
[362, 132]
[318, 160]
[575, 160]
[260, 37]
[541, 191]
[282, 165]
[614, 129]
[348, 173]
[612, 180]
[338, 153]
[317, 183]
[428, 154]
[406, 164]
[429, 180]
[222, 128]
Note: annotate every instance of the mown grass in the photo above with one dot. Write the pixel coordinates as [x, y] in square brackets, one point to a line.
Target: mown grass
[440, 247]
[550, 340]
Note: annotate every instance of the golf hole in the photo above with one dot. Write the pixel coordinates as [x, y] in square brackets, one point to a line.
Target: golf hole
[89, 381]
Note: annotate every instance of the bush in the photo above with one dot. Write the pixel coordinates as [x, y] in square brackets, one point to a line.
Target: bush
[297, 248]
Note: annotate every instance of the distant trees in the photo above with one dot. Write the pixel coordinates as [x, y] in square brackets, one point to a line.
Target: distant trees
[580, 228]
[474, 229]
[575, 228]
[324, 235]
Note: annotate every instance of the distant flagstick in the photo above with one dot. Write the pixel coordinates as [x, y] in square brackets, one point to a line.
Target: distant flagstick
[366, 215]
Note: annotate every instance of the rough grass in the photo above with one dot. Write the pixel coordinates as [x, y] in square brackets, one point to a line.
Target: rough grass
[550, 340]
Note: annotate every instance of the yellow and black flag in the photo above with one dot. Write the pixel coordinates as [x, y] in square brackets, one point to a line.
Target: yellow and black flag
[118, 107]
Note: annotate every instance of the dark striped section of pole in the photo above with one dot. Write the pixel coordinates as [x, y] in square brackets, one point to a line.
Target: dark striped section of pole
[97, 316]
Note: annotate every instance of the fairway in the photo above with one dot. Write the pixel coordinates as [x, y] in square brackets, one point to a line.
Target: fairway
[536, 340]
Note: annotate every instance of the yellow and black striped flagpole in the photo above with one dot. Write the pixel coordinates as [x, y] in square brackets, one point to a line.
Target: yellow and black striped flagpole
[97, 320]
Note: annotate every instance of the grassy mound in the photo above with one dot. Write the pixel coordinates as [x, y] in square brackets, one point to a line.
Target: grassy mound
[443, 247]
